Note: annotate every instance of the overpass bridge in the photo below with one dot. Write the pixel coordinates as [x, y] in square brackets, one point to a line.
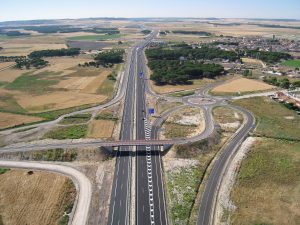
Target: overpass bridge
[109, 145]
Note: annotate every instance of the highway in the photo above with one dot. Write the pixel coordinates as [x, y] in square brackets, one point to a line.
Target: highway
[150, 195]
[119, 210]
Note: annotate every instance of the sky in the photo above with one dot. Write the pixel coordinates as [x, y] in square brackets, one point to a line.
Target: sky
[59, 9]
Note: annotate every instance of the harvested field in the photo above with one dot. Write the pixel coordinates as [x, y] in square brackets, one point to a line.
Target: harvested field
[57, 100]
[242, 85]
[88, 84]
[5, 64]
[9, 75]
[40, 198]
[63, 65]
[101, 129]
[10, 120]
[17, 48]
[252, 61]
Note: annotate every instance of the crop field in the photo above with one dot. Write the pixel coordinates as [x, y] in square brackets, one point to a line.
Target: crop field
[101, 129]
[242, 85]
[276, 199]
[292, 63]
[40, 198]
[70, 132]
[95, 37]
[10, 120]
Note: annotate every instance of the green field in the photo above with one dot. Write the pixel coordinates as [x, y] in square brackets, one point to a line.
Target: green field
[71, 132]
[77, 119]
[292, 63]
[95, 37]
[34, 84]
[274, 119]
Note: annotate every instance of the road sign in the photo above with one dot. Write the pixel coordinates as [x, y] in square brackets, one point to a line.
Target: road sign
[151, 110]
[141, 74]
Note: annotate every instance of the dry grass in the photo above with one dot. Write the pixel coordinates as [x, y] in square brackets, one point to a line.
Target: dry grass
[242, 85]
[40, 198]
[10, 120]
[267, 189]
[101, 129]
[185, 122]
[252, 61]
[57, 100]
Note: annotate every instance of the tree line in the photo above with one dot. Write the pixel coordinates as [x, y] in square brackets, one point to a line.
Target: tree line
[269, 57]
[27, 63]
[55, 52]
[106, 58]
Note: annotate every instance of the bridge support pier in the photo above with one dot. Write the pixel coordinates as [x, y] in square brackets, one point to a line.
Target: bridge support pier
[110, 149]
[165, 148]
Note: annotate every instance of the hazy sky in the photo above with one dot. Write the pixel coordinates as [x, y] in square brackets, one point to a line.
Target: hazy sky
[55, 9]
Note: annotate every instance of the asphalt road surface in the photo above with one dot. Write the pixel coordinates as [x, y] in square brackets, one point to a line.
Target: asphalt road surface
[119, 210]
[150, 196]
[207, 204]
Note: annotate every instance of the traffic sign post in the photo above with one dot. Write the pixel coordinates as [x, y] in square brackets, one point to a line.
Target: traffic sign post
[151, 111]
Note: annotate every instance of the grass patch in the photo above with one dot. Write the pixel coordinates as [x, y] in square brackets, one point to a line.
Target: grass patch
[72, 132]
[182, 94]
[95, 37]
[55, 155]
[51, 115]
[267, 188]
[272, 118]
[292, 63]
[3, 170]
[106, 116]
[35, 84]
[79, 118]
[182, 187]
[174, 130]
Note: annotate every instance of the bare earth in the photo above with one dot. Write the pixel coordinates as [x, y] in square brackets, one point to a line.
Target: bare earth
[242, 85]
[9, 120]
[32, 199]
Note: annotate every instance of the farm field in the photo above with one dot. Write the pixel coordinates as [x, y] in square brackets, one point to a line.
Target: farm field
[292, 63]
[95, 37]
[251, 61]
[34, 199]
[275, 200]
[10, 120]
[101, 129]
[242, 85]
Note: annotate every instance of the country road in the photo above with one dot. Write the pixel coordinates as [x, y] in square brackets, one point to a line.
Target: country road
[82, 183]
